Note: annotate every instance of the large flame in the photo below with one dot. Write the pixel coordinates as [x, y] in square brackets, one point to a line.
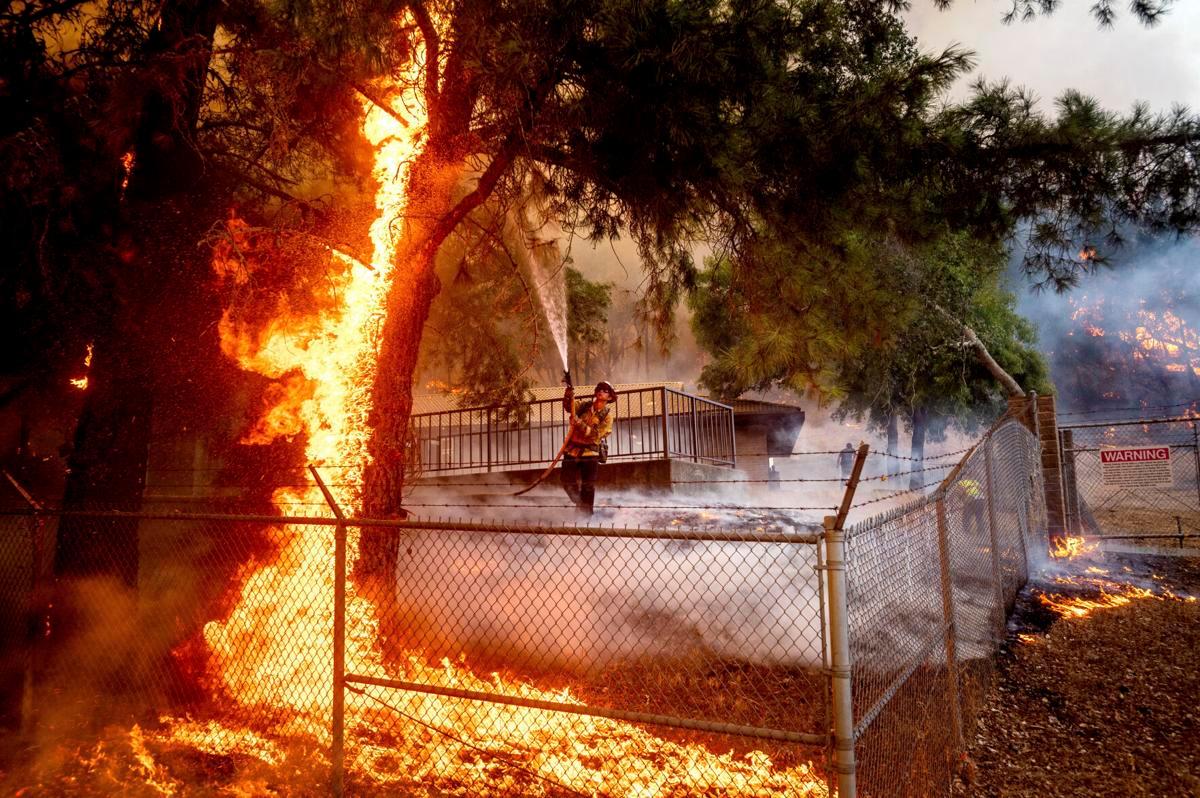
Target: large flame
[274, 650]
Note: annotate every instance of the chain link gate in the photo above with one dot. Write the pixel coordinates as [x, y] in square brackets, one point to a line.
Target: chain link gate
[1156, 500]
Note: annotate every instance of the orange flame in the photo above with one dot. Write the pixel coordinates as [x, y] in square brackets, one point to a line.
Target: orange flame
[82, 382]
[1072, 546]
[1111, 594]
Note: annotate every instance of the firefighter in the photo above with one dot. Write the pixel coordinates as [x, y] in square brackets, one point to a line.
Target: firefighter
[587, 447]
[974, 506]
[846, 462]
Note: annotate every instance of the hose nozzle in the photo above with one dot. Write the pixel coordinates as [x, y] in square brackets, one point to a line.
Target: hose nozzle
[567, 378]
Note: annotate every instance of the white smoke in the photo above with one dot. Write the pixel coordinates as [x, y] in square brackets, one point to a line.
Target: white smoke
[587, 603]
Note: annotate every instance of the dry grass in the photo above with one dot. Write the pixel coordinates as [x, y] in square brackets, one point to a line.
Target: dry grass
[1103, 705]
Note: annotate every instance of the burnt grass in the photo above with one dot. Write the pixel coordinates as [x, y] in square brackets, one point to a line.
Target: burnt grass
[1103, 705]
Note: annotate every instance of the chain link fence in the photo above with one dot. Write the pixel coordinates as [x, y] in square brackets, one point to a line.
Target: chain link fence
[930, 587]
[1112, 492]
[248, 653]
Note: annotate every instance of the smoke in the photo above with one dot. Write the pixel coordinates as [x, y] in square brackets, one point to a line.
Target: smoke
[1126, 335]
[583, 604]
[586, 603]
[634, 353]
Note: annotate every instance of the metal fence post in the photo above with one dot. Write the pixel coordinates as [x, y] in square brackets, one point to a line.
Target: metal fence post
[1196, 451]
[948, 620]
[337, 748]
[36, 603]
[838, 635]
[1074, 519]
[997, 573]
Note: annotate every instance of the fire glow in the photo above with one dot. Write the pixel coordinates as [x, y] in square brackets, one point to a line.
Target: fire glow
[277, 641]
[1104, 592]
[1157, 337]
[1109, 594]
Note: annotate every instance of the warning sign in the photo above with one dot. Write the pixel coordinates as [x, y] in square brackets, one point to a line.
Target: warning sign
[1136, 467]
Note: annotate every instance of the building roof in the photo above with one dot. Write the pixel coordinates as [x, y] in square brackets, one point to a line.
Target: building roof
[442, 402]
[749, 407]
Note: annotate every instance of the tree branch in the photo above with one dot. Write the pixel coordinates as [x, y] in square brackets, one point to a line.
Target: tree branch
[433, 45]
[982, 354]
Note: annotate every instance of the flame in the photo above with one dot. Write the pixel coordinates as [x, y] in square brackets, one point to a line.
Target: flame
[324, 365]
[127, 169]
[1160, 338]
[1072, 546]
[1110, 594]
[82, 382]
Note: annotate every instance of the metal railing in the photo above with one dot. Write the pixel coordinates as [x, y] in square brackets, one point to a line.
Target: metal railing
[650, 424]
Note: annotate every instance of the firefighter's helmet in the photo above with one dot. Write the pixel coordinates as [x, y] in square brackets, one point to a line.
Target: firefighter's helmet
[606, 387]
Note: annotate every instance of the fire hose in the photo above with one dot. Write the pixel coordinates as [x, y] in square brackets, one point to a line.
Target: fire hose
[562, 449]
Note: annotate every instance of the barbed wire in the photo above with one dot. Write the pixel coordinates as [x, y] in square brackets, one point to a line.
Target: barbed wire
[535, 463]
[517, 483]
[890, 496]
[613, 506]
[768, 481]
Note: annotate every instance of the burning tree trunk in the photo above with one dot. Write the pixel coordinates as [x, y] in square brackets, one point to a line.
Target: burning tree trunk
[431, 216]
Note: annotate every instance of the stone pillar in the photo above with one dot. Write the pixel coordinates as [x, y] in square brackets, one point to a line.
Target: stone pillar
[1038, 414]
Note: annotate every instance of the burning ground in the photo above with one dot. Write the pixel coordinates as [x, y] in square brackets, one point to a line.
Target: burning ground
[1097, 689]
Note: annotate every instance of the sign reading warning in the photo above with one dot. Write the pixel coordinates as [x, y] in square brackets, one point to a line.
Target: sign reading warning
[1136, 467]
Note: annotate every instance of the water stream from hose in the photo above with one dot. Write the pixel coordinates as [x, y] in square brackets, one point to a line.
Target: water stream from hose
[549, 276]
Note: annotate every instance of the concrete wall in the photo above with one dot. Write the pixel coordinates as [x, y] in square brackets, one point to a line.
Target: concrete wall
[650, 476]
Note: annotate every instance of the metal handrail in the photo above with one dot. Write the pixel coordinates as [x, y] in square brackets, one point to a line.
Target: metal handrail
[650, 424]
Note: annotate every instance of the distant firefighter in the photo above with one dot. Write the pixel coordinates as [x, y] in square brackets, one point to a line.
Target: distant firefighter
[587, 447]
[846, 461]
[974, 507]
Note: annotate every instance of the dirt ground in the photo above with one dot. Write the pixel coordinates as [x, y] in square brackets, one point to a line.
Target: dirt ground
[1107, 704]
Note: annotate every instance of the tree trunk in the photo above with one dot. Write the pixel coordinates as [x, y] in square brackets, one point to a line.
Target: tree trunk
[414, 286]
[112, 437]
[920, 425]
[893, 444]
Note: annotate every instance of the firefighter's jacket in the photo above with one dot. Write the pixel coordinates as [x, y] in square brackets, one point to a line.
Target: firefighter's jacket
[590, 429]
[971, 488]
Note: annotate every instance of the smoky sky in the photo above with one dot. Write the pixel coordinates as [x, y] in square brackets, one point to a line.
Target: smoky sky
[1066, 50]
[1098, 372]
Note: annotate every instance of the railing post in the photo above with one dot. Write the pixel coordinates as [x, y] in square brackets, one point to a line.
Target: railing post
[665, 427]
[337, 748]
[840, 672]
[488, 432]
[695, 434]
[951, 632]
[732, 429]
